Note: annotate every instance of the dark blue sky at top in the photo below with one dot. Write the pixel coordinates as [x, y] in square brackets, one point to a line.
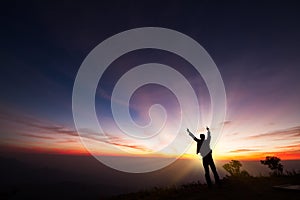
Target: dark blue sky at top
[44, 43]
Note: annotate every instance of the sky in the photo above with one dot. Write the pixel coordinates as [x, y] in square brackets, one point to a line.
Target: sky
[255, 46]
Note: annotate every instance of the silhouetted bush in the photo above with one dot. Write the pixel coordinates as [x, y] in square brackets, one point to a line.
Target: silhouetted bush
[274, 164]
[291, 173]
[234, 169]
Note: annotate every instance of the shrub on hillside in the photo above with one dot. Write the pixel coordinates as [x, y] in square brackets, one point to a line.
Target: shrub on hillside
[234, 169]
[274, 164]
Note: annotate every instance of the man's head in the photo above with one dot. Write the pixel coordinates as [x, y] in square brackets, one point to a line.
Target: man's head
[202, 136]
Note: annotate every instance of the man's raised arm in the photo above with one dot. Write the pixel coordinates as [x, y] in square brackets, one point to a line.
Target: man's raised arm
[208, 134]
[192, 135]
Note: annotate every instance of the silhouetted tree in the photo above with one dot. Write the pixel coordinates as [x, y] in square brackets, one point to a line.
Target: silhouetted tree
[274, 164]
[233, 168]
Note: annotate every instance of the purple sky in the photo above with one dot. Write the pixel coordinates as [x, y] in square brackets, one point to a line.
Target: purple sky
[255, 46]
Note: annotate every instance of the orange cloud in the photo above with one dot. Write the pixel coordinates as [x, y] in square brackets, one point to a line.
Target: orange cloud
[243, 150]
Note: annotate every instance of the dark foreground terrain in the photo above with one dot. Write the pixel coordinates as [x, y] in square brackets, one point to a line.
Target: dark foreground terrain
[232, 188]
[34, 176]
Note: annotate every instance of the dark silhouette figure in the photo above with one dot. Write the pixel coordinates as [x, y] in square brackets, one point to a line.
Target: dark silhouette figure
[203, 147]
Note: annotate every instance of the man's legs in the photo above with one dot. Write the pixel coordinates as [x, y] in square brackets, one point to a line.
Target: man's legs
[214, 170]
[206, 169]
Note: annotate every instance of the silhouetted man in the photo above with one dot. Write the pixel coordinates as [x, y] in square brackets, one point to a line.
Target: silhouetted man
[204, 148]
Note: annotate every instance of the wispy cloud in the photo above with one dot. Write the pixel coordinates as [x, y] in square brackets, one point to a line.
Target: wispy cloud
[37, 136]
[34, 128]
[113, 140]
[293, 147]
[243, 150]
[289, 133]
[227, 122]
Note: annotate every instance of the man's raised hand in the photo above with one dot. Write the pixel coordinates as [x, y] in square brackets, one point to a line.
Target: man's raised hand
[189, 132]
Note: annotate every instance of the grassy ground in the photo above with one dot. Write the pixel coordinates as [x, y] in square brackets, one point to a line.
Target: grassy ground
[232, 188]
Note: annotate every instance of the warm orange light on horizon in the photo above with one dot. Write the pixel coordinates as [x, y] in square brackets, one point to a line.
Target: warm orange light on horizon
[82, 151]
[259, 156]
